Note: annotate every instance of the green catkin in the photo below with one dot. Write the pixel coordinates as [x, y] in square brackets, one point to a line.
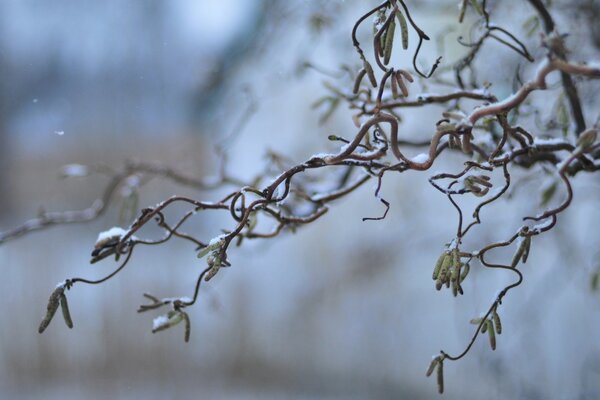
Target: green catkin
[381, 44]
[401, 84]
[526, 247]
[491, 334]
[403, 28]
[497, 322]
[358, 80]
[432, 366]
[438, 266]
[65, 310]
[518, 254]
[188, 327]
[440, 377]
[394, 85]
[53, 303]
[406, 75]
[389, 42]
[477, 7]
[370, 73]
[465, 271]
[463, 9]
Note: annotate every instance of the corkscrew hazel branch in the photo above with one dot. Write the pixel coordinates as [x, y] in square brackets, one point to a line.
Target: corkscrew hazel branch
[378, 147]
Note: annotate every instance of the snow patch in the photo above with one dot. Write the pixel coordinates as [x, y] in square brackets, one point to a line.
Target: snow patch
[75, 170]
[112, 233]
[159, 322]
[420, 158]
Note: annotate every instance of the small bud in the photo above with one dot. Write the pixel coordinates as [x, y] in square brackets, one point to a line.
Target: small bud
[445, 126]
[587, 138]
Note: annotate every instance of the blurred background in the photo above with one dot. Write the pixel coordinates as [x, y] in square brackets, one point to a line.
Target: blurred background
[341, 308]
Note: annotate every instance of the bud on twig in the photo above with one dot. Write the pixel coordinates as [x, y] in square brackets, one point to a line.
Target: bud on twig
[587, 138]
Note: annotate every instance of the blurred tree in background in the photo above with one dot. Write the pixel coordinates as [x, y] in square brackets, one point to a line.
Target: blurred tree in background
[510, 121]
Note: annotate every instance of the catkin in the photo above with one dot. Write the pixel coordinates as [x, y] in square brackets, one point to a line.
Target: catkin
[432, 366]
[401, 84]
[465, 271]
[53, 303]
[497, 322]
[65, 310]
[389, 42]
[403, 28]
[438, 266]
[370, 73]
[358, 80]
[407, 75]
[491, 334]
[440, 377]
[188, 327]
